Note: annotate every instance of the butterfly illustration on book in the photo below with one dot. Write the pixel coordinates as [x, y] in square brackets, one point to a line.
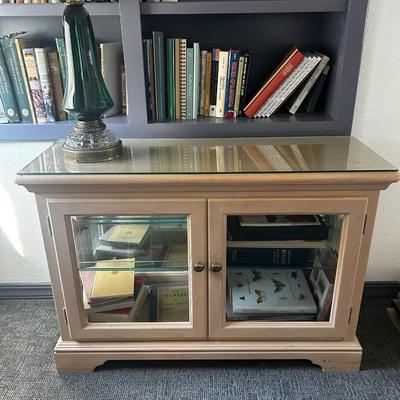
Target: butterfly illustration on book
[257, 275]
[261, 296]
[278, 285]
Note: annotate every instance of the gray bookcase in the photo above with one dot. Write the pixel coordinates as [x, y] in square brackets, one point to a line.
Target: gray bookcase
[267, 27]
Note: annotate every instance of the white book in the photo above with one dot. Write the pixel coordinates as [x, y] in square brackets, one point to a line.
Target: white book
[45, 83]
[288, 86]
[3, 115]
[196, 79]
[270, 291]
[298, 100]
[283, 90]
[203, 81]
[221, 87]
[111, 61]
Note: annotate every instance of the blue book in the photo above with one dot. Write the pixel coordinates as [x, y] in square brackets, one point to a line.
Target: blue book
[231, 81]
[189, 82]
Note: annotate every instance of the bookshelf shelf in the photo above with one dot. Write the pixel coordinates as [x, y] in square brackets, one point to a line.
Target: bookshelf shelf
[243, 7]
[54, 10]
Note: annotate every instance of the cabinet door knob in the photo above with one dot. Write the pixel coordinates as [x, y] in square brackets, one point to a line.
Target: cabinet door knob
[199, 267]
[215, 267]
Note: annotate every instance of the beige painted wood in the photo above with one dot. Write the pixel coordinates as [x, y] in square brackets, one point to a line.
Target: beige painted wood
[79, 357]
[56, 284]
[353, 208]
[137, 183]
[79, 328]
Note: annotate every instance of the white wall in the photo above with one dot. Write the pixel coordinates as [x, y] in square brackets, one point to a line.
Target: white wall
[376, 123]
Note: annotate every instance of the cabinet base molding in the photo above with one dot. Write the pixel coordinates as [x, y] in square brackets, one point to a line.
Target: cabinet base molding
[331, 356]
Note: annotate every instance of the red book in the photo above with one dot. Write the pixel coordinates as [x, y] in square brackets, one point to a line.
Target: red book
[274, 81]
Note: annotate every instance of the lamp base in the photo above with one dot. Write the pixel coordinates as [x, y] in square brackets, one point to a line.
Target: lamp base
[91, 141]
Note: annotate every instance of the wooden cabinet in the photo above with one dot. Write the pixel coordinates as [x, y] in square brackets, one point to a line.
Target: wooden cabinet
[188, 298]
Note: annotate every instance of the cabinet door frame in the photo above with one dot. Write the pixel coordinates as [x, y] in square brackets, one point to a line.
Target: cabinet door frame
[336, 328]
[61, 210]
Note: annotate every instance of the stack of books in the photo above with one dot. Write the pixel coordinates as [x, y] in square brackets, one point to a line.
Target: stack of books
[299, 78]
[32, 79]
[183, 83]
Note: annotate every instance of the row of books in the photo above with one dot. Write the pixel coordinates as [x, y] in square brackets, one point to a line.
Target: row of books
[183, 83]
[298, 79]
[32, 80]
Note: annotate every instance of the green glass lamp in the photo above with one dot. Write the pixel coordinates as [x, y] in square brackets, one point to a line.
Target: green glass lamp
[86, 96]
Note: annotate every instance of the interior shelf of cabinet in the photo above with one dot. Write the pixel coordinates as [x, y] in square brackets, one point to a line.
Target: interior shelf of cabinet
[151, 266]
[283, 244]
[54, 10]
[54, 131]
[242, 7]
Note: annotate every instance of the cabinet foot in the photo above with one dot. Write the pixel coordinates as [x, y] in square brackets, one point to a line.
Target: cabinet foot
[338, 362]
[79, 363]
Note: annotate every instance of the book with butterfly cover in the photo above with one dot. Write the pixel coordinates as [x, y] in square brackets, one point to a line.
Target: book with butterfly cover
[270, 292]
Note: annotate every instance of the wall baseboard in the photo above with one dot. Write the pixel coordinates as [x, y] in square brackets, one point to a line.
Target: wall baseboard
[27, 291]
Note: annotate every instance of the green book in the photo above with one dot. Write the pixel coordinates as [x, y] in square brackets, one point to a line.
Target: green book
[18, 78]
[159, 75]
[171, 79]
[189, 83]
[6, 93]
[196, 79]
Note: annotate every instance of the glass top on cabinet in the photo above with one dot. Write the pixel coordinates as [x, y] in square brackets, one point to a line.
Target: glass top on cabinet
[219, 156]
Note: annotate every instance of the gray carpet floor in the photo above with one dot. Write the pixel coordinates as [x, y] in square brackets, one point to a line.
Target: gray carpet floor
[28, 333]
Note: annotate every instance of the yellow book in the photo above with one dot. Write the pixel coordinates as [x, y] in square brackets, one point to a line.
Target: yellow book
[129, 233]
[115, 282]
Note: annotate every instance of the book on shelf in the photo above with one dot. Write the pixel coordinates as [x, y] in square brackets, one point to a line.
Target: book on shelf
[170, 44]
[257, 257]
[189, 82]
[277, 227]
[323, 291]
[55, 73]
[159, 75]
[111, 281]
[3, 115]
[111, 59]
[269, 292]
[7, 97]
[137, 311]
[311, 101]
[169, 302]
[124, 235]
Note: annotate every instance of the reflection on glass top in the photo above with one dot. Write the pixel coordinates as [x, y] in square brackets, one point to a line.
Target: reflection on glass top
[212, 156]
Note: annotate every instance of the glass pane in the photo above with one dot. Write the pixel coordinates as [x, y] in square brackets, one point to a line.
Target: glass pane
[133, 268]
[215, 156]
[281, 267]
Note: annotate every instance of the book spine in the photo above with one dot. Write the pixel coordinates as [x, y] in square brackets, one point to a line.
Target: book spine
[189, 83]
[45, 83]
[3, 115]
[238, 86]
[207, 85]
[203, 82]
[34, 84]
[124, 97]
[182, 76]
[16, 74]
[196, 79]
[312, 99]
[171, 79]
[260, 99]
[159, 75]
[231, 88]
[214, 82]
[147, 79]
[55, 73]
[177, 78]
[245, 80]
[228, 76]
[308, 85]
[6, 92]
[221, 90]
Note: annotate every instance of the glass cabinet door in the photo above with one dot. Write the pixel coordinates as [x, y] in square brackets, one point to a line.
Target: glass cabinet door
[134, 267]
[283, 268]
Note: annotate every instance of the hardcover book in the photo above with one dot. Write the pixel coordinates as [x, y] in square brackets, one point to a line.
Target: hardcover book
[171, 79]
[214, 82]
[270, 291]
[196, 79]
[55, 73]
[126, 235]
[189, 82]
[159, 75]
[221, 87]
[148, 55]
